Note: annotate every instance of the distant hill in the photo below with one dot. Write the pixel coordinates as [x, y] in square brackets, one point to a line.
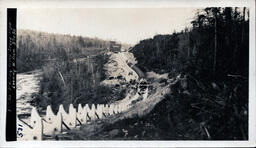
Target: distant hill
[34, 48]
[50, 42]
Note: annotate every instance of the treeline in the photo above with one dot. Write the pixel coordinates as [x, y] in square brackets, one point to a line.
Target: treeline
[72, 68]
[34, 49]
[213, 57]
[216, 45]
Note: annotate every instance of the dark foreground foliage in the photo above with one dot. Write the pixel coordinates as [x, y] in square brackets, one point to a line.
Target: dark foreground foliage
[190, 114]
[214, 55]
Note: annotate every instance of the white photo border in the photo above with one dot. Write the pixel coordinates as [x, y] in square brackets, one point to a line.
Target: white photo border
[4, 4]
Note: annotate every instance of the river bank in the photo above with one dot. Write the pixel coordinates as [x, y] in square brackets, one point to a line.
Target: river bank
[28, 83]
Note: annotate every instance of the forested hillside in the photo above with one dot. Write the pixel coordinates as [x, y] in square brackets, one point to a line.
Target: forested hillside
[36, 48]
[216, 45]
[209, 60]
[213, 57]
[72, 68]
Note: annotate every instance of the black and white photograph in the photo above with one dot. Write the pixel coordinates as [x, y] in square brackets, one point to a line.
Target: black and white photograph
[130, 74]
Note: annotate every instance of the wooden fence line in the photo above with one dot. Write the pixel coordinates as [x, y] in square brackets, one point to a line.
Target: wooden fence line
[52, 124]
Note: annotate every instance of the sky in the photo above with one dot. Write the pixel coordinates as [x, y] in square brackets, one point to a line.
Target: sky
[127, 25]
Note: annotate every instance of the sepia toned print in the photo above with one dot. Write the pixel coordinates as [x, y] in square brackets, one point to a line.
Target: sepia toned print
[132, 73]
